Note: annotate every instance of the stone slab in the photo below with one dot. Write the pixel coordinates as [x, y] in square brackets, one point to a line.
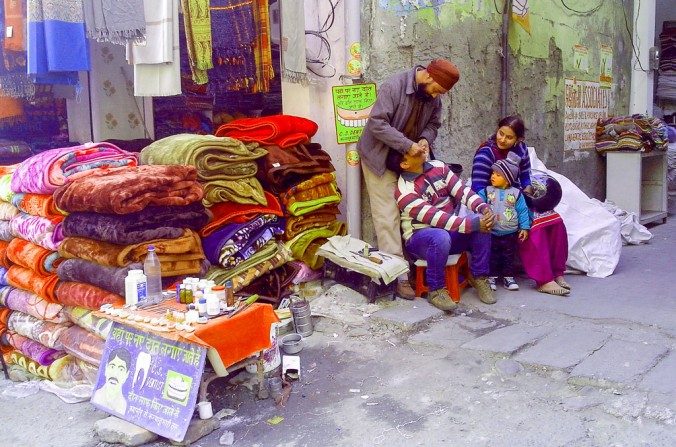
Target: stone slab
[563, 348]
[114, 430]
[507, 339]
[662, 378]
[408, 314]
[198, 429]
[619, 361]
[444, 334]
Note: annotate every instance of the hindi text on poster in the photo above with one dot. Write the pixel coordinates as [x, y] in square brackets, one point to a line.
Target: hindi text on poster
[586, 102]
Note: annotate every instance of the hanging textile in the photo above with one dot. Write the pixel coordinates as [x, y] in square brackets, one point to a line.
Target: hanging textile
[263, 51]
[153, 78]
[197, 23]
[293, 41]
[115, 21]
[14, 81]
[57, 46]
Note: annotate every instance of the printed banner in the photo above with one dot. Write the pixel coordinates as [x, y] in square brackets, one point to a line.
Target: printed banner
[606, 74]
[149, 381]
[352, 106]
[520, 14]
[581, 58]
[586, 102]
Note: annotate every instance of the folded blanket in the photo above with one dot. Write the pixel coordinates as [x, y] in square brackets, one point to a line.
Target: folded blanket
[4, 261]
[85, 295]
[7, 211]
[36, 351]
[45, 172]
[299, 245]
[5, 313]
[316, 219]
[235, 236]
[240, 251]
[311, 194]
[37, 330]
[231, 212]
[83, 345]
[32, 256]
[31, 304]
[130, 189]
[154, 222]
[6, 233]
[220, 275]
[36, 204]
[179, 256]
[30, 365]
[281, 130]
[86, 319]
[65, 372]
[43, 231]
[281, 168]
[246, 277]
[8, 169]
[248, 190]
[27, 279]
[6, 192]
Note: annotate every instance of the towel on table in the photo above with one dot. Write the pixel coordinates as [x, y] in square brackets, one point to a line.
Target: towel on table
[36, 204]
[32, 256]
[83, 345]
[37, 351]
[27, 279]
[45, 172]
[37, 330]
[153, 222]
[316, 219]
[43, 231]
[85, 295]
[299, 245]
[7, 211]
[246, 277]
[180, 256]
[311, 195]
[231, 212]
[281, 168]
[31, 304]
[234, 237]
[86, 319]
[220, 275]
[279, 130]
[131, 189]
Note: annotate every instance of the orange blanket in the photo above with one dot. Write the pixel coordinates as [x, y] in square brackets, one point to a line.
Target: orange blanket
[42, 285]
[4, 261]
[181, 256]
[85, 295]
[231, 212]
[37, 205]
[34, 257]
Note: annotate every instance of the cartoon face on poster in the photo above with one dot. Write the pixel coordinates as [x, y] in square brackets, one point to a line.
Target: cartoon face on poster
[352, 105]
[149, 381]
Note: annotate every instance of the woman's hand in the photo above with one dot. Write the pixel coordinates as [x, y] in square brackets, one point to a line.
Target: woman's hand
[523, 235]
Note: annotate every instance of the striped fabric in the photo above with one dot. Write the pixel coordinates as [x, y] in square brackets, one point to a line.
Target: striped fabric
[488, 154]
[430, 199]
[544, 219]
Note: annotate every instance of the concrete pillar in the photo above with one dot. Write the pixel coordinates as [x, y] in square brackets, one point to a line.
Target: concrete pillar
[643, 36]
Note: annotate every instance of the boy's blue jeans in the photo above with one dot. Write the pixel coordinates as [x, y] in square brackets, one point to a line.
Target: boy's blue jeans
[435, 244]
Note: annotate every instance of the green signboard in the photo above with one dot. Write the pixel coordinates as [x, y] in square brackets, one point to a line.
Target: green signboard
[352, 106]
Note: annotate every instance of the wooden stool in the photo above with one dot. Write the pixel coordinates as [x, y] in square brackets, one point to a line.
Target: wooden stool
[456, 268]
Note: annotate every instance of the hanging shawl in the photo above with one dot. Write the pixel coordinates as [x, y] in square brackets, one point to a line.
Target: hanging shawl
[263, 51]
[115, 21]
[234, 36]
[293, 36]
[14, 81]
[197, 22]
[57, 46]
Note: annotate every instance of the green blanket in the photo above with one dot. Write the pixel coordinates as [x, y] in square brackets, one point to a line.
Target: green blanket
[220, 275]
[300, 243]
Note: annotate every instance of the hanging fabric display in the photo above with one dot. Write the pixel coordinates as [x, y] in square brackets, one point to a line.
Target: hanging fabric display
[293, 41]
[116, 21]
[197, 22]
[14, 81]
[262, 49]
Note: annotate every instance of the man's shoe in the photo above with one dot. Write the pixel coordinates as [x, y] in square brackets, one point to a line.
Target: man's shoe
[405, 291]
[483, 288]
[510, 283]
[441, 300]
[491, 282]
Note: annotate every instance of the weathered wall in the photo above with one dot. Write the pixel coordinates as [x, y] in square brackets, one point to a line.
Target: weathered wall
[397, 34]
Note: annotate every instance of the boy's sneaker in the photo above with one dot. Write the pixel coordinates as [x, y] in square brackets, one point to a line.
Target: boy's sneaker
[491, 282]
[510, 283]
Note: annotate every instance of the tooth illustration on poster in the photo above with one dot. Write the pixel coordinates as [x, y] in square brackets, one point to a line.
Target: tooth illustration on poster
[352, 107]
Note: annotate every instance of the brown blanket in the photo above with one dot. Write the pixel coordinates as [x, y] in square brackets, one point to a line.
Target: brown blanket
[281, 168]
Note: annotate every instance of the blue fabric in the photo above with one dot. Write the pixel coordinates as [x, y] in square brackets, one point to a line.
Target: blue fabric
[488, 153]
[521, 208]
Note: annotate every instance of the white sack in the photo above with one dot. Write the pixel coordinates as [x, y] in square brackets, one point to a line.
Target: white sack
[633, 233]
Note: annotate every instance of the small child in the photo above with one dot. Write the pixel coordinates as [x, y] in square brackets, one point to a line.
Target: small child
[512, 219]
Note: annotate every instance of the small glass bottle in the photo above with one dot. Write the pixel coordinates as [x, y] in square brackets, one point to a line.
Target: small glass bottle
[229, 294]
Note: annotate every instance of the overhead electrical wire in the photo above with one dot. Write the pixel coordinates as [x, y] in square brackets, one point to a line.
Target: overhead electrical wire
[631, 37]
[589, 12]
[322, 35]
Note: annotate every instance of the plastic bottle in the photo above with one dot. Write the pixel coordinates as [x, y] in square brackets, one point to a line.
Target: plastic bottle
[134, 287]
[213, 306]
[153, 272]
[202, 307]
[229, 293]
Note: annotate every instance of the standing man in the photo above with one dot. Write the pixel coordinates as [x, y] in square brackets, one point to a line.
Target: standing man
[405, 119]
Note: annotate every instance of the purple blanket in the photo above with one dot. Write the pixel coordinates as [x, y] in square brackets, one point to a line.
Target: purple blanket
[41, 231]
[43, 332]
[237, 236]
[31, 304]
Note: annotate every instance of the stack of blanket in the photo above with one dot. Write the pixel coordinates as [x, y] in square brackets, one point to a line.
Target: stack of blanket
[631, 133]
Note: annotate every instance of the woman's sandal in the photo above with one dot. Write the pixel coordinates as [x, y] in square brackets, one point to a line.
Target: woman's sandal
[562, 282]
[553, 288]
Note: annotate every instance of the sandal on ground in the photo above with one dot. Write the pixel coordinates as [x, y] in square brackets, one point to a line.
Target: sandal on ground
[553, 288]
[562, 282]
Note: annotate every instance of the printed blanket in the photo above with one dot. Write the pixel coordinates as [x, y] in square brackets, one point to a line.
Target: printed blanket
[85, 295]
[27, 279]
[32, 256]
[43, 231]
[37, 330]
[279, 130]
[31, 304]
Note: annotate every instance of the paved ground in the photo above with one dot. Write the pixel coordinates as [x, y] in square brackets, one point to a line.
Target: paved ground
[594, 369]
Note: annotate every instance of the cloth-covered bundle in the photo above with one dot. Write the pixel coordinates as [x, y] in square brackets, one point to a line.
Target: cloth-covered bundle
[43, 332]
[300, 245]
[83, 345]
[42, 285]
[312, 194]
[30, 365]
[636, 132]
[281, 168]
[279, 130]
[36, 204]
[85, 295]
[7, 211]
[231, 212]
[153, 222]
[45, 172]
[180, 256]
[269, 250]
[323, 217]
[43, 231]
[131, 189]
[32, 256]
[36, 351]
[86, 319]
[244, 277]
[31, 304]
[235, 243]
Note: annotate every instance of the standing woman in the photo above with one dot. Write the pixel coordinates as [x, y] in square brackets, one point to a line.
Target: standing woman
[508, 138]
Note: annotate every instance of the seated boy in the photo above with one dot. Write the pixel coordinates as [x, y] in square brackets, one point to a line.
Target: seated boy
[427, 194]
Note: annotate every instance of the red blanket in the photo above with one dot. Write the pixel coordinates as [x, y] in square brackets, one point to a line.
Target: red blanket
[281, 130]
[231, 212]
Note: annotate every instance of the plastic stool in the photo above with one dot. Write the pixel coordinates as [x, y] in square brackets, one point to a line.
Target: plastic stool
[455, 266]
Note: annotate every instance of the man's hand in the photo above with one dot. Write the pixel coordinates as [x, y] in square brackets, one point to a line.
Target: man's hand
[486, 222]
[415, 150]
[426, 147]
[523, 235]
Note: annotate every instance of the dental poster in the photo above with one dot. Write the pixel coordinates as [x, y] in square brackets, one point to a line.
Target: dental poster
[352, 105]
[149, 381]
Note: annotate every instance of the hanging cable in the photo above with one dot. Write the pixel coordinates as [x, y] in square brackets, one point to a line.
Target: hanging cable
[591, 11]
[504, 5]
[631, 36]
[318, 62]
